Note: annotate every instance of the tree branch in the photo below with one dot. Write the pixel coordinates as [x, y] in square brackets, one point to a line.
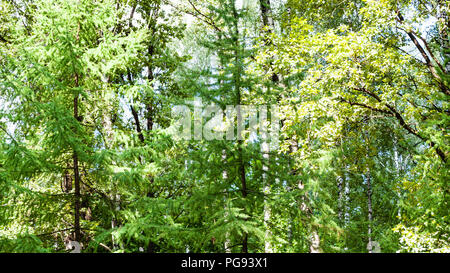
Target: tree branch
[402, 122]
[364, 106]
[411, 34]
[199, 15]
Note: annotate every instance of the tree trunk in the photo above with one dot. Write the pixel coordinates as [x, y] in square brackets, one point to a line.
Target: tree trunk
[76, 170]
[340, 182]
[237, 89]
[266, 190]
[266, 13]
[314, 242]
[369, 204]
[444, 36]
[267, 22]
[227, 244]
[77, 177]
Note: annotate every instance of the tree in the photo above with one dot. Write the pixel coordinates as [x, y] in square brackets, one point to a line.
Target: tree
[355, 156]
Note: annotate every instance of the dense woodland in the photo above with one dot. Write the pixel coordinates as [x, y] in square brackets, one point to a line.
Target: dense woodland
[88, 152]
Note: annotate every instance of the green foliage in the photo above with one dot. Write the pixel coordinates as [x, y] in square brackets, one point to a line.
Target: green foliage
[364, 139]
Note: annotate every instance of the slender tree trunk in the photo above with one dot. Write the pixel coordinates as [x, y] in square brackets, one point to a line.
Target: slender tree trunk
[76, 170]
[267, 22]
[109, 138]
[266, 190]
[397, 175]
[346, 198]
[369, 196]
[135, 115]
[77, 178]
[149, 100]
[340, 182]
[237, 88]
[227, 244]
[370, 212]
[243, 189]
[152, 246]
[340, 185]
[266, 13]
[444, 35]
[314, 242]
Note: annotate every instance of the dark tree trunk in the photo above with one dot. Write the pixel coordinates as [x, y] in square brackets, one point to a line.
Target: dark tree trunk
[266, 13]
[237, 88]
[77, 176]
[76, 170]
